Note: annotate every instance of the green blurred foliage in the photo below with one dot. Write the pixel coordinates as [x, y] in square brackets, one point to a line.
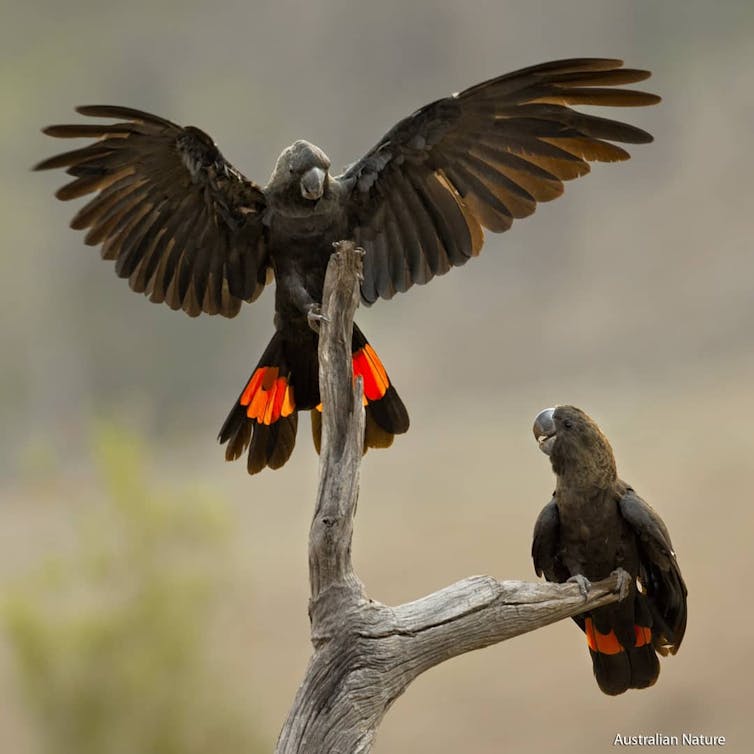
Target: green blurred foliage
[110, 639]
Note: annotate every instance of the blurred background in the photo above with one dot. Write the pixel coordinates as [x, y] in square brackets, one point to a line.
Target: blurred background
[153, 598]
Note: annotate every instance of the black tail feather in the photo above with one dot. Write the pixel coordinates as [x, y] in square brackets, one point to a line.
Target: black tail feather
[272, 444]
[613, 672]
[620, 640]
[635, 668]
[389, 413]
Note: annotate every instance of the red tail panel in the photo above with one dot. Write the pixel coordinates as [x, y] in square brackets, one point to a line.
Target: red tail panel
[608, 644]
[268, 396]
[367, 365]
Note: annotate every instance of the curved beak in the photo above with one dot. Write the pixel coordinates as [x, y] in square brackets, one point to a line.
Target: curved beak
[544, 430]
[313, 184]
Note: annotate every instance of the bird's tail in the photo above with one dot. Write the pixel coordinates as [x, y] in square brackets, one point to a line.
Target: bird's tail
[264, 417]
[386, 416]
[623, 653]
[286, 380]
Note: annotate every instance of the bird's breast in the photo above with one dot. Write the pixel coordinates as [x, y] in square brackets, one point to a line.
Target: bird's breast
[322, 220]
[590, 528]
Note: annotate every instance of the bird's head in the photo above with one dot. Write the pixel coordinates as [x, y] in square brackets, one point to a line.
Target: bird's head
[301, 171]
[573, 441]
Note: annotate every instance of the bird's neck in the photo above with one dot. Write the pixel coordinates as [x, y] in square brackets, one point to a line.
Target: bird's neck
[587, 478]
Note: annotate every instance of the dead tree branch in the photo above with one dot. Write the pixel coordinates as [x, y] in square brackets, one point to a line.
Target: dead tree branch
[366, 653]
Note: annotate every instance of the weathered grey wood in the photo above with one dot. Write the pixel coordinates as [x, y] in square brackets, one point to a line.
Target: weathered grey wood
[366, 653]
[342, 431]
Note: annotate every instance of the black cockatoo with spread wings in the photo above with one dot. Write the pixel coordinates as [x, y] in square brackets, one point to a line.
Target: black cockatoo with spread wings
[185, 227]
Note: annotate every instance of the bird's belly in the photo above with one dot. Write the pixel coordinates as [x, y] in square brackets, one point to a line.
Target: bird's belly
[300, 248]
[320, 228]
[299, 279]
[590, 543]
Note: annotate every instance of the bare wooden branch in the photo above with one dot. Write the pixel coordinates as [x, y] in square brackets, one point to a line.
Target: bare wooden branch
[342, 432]
[366, 653]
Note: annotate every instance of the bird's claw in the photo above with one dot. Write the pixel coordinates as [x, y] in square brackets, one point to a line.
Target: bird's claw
[624, 582]
[314, 316]
[584, 584]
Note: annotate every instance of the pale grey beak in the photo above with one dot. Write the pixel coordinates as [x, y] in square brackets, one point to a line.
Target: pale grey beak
[313, 184]
[544, 430]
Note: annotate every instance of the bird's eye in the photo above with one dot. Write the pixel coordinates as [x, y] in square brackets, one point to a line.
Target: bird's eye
[567, 423]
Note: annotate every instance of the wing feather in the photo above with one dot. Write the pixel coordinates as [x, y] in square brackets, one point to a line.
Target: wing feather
[182, 224]
[660, 573]
[408, 240]
[545, 549]
[491, 212]
[482, 158]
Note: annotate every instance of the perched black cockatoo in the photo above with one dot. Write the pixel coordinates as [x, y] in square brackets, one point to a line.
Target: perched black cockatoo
[594, 525]
[188, 229]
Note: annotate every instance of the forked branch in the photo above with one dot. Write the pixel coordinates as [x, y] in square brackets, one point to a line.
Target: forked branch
[366, 653]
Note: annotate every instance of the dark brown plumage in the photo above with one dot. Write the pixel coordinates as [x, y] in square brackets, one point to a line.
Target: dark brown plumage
[595, 524]
[185, 227]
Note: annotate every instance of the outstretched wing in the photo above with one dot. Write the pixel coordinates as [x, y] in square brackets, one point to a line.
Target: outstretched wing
[182, 224]
[659, 573]
[418, 201]
[545, 549]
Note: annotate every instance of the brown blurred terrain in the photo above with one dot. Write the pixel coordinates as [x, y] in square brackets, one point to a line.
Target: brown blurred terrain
[631, 297]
